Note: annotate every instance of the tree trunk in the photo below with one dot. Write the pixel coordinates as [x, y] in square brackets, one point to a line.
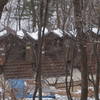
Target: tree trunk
[97, 73]
[81, 38]
[2, 4]
[40, 44]
[96, 51]
[33, 14]
[84, 73]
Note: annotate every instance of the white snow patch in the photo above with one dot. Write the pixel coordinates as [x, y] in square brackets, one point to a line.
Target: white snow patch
[91, 98]
[1, 90]
[20, 34]
[91, 88]
[59, 97]
[25, 83]
[72, 32]
[59, 32]
[95, 30]
[49, 89]
[34, 35]
[3, 32]
[76, 75]
[78, 92]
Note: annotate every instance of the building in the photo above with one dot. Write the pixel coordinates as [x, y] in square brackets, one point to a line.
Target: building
[17, 55]
[17, 58]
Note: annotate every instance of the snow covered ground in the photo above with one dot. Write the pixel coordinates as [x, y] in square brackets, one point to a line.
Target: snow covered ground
[76, 77]
[60, 93]
[64, 97]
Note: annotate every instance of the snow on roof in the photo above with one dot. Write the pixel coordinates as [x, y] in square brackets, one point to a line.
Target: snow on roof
[95, 30]
[34, 35]
[46, 31]
[72, 33]
[58, 31]
[20, 34]
[3, 32]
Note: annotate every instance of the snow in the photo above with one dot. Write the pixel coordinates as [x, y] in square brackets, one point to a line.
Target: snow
[46, 31]
[3, 19]
[59, 97]
[78, 92]
[92, 88]
[58, 31]
[89, 98]
[42, 99]
[25, 83]
[49, 89]
[76, 77]
[20, 34]
[1, 90]
[95, 30]
[34, 35]
[3, 32]
[73, 32]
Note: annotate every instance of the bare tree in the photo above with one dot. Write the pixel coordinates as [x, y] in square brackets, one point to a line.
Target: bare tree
[42, 24]
[96, 48]
[2, 4]
[81, 38]
[33, 13]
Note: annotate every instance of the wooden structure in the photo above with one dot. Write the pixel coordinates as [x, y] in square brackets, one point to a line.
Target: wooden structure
[93, 39]
[73, 55]
[17, 57]
[53, 56]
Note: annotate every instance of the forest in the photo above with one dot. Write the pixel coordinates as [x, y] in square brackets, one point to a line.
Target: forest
[49, 49]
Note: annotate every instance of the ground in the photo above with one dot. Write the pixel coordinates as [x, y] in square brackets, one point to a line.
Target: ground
[58, 90]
